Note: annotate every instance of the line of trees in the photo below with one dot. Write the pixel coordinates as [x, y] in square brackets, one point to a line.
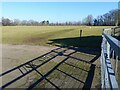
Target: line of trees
[111, 18]
[16, 22]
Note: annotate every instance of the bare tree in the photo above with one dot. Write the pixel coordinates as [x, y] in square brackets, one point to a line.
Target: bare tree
[16, 22]
[6, 22]
[88, 20]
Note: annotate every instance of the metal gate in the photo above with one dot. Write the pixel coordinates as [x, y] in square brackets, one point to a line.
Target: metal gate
[110, 56]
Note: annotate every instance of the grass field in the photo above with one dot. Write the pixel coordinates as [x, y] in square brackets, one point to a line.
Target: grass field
[55, 35]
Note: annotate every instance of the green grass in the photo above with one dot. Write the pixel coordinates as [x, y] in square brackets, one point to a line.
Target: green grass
[44, 35]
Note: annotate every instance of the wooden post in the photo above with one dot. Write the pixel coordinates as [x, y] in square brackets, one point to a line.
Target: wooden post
[80, 33]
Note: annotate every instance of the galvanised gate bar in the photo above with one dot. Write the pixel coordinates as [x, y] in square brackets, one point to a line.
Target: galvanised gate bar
[110, 56]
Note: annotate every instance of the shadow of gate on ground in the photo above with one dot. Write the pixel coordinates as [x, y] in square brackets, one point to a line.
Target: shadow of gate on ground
[69, 72]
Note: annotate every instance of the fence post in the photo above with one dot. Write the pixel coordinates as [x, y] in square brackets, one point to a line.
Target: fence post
[80, 33]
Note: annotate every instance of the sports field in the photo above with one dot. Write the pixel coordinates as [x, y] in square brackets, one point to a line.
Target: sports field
[53, 35]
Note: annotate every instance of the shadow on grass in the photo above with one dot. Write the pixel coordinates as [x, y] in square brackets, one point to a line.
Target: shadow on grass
[86, 42]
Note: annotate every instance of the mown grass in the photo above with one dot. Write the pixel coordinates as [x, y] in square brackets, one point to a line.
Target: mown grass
[42, 35]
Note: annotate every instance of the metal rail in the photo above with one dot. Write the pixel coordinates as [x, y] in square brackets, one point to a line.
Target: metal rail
[110, 46]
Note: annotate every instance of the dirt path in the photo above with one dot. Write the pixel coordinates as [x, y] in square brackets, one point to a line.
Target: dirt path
[13, 55]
